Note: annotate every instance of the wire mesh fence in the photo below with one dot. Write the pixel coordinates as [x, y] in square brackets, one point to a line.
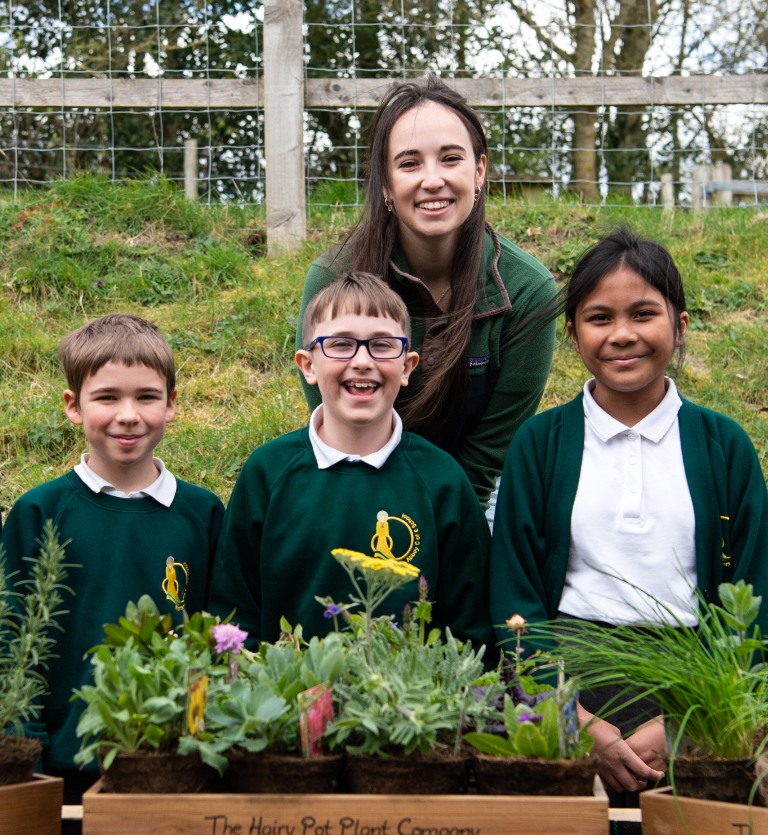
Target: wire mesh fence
[599, 151]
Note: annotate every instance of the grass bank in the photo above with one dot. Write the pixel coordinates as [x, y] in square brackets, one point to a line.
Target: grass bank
[83, 247]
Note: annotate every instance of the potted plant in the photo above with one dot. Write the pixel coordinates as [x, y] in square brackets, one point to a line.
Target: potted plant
[406, 695]
[27, 619]
[710, 681]
[135, 716]
[257, 722]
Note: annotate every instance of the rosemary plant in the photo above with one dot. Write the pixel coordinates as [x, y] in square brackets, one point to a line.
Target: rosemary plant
[27, 619]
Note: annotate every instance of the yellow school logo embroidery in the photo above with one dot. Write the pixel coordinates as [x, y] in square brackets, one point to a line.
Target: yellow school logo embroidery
[383, 543]
[726, 558]
[171, 583]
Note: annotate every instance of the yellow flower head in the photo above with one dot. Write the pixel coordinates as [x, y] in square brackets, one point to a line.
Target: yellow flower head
[393, 568]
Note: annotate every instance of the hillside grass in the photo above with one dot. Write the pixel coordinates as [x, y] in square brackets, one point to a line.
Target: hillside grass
[84, 247]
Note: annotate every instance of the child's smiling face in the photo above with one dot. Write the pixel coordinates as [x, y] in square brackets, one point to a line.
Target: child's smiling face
[123, 410]
[624, 331]
[358, 393]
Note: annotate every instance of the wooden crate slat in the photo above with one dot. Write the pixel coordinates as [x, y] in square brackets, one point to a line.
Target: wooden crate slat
[32, 808]
[661, 816]
[329, 814]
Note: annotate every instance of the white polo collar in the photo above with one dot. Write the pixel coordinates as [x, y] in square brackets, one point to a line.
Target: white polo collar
[162, 489]
[327, 456]
[652, 427]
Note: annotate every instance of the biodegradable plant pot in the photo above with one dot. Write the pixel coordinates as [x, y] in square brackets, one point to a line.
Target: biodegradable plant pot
[534, 776]
[18, 756]
[436, 772]
[704, 778]
[157, 772]
[265, 773]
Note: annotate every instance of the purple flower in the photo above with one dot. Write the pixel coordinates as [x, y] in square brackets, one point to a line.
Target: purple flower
[529, 717]
[98, 283]
[423, 588]
[331, 611]
[229, 636]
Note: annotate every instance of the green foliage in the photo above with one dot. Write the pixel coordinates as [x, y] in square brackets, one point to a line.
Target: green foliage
[243, 714]
[709, 680]
[140, 684]
[137, 698]
[411, 697]
[27, 620]
[531, 734]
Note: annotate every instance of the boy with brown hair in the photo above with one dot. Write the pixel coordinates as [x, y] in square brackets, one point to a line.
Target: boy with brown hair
[352, 479]
[129, 526]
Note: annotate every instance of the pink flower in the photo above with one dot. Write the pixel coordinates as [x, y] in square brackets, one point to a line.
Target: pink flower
[516, 623]
[229, 636]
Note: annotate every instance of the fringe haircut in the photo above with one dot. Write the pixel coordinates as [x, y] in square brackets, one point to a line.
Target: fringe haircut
[360, 293]
[120, 338]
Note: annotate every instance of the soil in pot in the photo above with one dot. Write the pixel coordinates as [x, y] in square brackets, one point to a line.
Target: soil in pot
[534, 776]
[436, 772]
[18, 757]
[158, 772]
[282, 773]
[729, 781]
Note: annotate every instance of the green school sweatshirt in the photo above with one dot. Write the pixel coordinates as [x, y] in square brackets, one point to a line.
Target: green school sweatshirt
[120, 547]
[286, 515]
[532, 528]
[505, 382]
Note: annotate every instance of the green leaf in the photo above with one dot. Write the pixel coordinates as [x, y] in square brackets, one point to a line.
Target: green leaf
[433, 637]
[510, 718]
[529, 741]
[253, 745]
[154, 735]
[491, 744]
[285, 626]
[549, 731]
[585, 744]
[148, 627]
[110, 758]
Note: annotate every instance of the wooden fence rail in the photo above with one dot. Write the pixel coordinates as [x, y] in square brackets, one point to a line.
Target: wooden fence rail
[249, 93]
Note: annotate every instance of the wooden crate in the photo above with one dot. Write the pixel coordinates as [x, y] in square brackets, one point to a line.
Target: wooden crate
[663, 815]
[339, 814]
[32, 808]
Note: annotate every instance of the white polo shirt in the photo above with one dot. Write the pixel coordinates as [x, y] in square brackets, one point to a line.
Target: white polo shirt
[632, 520]
[327, 456]
[162, 489]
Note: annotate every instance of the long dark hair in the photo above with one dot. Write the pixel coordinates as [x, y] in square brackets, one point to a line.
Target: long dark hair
[374, 237]
[623, 248]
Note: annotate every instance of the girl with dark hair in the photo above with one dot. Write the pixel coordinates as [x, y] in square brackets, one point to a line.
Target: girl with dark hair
[469, 291]
[628, 492]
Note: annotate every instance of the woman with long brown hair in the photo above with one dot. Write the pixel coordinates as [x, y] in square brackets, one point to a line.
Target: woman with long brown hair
[469, 291]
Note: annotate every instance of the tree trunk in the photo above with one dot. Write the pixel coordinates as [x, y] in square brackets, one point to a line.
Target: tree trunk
[584, 177]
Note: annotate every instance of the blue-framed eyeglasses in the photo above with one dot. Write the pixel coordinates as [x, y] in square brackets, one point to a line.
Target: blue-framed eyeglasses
[346, 347]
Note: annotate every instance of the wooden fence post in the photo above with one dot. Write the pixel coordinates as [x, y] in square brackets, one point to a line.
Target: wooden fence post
[284, 124]
[699, 176]
[722, 174]
[667, 192]
[190, 169]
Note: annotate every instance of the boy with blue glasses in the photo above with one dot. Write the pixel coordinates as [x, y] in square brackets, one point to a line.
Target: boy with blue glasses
[352, 479]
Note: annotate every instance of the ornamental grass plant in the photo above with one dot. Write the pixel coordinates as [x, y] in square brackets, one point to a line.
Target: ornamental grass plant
[710, 680]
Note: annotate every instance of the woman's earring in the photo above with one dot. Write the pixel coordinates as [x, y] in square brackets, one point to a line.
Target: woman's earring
[388, 204]
[477, 195]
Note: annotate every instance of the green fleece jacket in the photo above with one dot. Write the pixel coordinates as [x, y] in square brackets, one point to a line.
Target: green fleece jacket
[505, 382]
[117, 549]
[286, 515]
[532, 529]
